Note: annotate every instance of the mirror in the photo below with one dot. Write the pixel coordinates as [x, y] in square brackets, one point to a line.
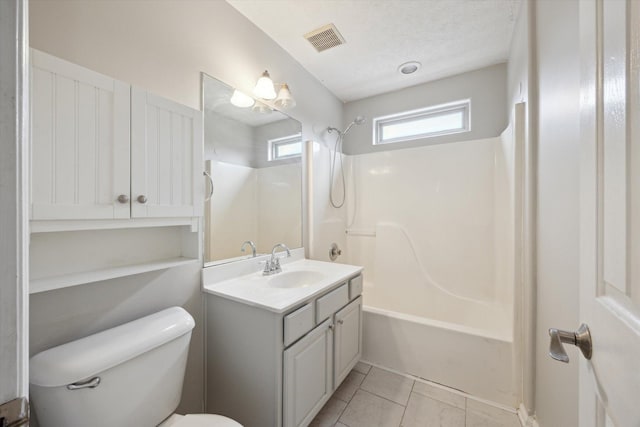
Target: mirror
[253, 156]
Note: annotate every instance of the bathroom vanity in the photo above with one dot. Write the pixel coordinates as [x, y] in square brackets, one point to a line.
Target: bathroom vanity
[278, 346]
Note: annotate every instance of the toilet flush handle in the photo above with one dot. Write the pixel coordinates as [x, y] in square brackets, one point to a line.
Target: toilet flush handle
[92, 383]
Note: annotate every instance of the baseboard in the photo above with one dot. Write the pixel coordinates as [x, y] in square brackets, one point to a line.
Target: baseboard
[526, 420]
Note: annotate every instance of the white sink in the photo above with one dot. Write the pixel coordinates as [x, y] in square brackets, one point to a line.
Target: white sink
[295, 279]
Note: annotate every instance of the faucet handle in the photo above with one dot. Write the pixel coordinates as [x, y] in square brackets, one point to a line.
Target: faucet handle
[275, 267]
[267, 267]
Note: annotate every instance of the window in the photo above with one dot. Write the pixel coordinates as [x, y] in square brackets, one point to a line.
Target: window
[286, 147]
[438, 120]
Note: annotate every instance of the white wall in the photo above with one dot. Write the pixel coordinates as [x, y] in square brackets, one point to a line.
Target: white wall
[558, 71]
[163, 47]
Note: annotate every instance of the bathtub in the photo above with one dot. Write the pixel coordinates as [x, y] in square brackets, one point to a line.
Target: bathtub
[475, 360]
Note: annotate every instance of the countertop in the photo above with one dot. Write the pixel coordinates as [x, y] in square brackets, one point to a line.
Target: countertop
[254, 288]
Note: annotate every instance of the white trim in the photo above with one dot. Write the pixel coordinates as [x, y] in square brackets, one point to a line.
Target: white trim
[526, 420]
[463, 106]
[284, 140]
[14, 174]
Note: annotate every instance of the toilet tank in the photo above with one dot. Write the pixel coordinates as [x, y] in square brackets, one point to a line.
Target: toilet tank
[130, 375]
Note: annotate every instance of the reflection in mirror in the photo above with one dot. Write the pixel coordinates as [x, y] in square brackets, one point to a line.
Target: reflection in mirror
[253, 155]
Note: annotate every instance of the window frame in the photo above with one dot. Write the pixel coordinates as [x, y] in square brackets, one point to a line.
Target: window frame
[284, 140]
[432, 111]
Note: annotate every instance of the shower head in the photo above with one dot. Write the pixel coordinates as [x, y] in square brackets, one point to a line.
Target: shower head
[357, 121]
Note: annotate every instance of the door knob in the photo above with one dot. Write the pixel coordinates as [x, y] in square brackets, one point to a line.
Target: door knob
[580, 338]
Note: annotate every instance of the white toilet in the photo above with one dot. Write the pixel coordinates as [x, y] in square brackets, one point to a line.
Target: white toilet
[130, 375]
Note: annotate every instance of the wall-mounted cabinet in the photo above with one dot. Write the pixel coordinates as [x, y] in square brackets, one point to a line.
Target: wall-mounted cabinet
[102, 149]
[116, 178]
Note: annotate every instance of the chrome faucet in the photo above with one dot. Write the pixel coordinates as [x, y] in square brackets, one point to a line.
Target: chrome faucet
[253, 247]
[272, 265]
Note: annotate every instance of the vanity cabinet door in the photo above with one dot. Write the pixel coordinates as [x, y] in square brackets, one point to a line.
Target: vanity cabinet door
[79, 142]
[308, 374]
[348, 339]
[166, 158]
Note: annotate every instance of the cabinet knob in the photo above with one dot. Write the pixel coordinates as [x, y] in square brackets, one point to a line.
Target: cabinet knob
[341, 321]
[142, 199]
[331, 327]
[123, 198]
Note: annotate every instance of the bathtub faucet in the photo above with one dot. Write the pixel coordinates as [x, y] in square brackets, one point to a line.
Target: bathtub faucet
[272, 266]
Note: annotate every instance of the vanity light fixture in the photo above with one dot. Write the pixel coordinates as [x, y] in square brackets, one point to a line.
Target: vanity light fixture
[264, 87]
[284, 99]
[241, 100]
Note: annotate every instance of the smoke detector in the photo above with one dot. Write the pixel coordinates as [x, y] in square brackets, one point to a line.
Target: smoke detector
[325, 37]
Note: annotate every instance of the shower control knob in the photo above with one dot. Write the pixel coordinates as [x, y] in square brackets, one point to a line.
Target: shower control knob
[142, 199]
[123, 198]
[334, 252]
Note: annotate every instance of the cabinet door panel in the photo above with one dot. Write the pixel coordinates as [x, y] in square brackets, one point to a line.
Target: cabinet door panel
[348, 339]
[308, 376]
[166, 162]
[79, 140]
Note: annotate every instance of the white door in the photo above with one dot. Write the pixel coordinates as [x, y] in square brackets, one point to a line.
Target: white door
[307, 376]
[610, 211]
[80, 142]
[348, 339]
[166, 158]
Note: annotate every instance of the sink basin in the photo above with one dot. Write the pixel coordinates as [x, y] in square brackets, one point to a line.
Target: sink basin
[295, 279]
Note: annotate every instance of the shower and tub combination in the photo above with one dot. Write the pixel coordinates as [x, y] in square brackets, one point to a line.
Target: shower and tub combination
[436, 229]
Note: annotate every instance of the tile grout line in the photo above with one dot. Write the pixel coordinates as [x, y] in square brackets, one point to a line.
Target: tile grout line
[405, 407]
[351, 398]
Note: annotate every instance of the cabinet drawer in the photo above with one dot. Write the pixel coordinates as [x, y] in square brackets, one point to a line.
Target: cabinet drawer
[330, 303]
[298, 323]
[355, 287]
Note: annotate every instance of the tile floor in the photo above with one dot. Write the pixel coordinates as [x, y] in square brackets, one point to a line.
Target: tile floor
[374, 397]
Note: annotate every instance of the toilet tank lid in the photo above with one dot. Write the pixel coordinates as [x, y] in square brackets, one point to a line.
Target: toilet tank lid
[88, 356]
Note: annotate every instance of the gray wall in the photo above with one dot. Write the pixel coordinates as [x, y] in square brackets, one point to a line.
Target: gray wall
[558, 75]
[486, 87]
[163, 47]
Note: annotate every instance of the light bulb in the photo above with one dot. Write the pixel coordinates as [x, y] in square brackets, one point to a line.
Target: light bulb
[284, 99]
[241, 100]
[264, 87]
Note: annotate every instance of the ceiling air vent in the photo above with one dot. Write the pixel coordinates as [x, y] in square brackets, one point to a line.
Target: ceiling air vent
[325, 37]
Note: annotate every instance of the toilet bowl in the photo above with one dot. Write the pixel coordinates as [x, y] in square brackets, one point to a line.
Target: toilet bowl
[129, 375]
[199, 420]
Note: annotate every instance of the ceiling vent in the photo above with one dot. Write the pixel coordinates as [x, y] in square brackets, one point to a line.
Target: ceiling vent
[325, 37]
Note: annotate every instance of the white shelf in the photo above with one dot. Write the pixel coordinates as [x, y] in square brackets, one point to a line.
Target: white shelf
[73, 279]
[48, 226]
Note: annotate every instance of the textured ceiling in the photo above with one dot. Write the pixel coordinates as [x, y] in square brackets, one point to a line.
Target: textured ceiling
[447, 36]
